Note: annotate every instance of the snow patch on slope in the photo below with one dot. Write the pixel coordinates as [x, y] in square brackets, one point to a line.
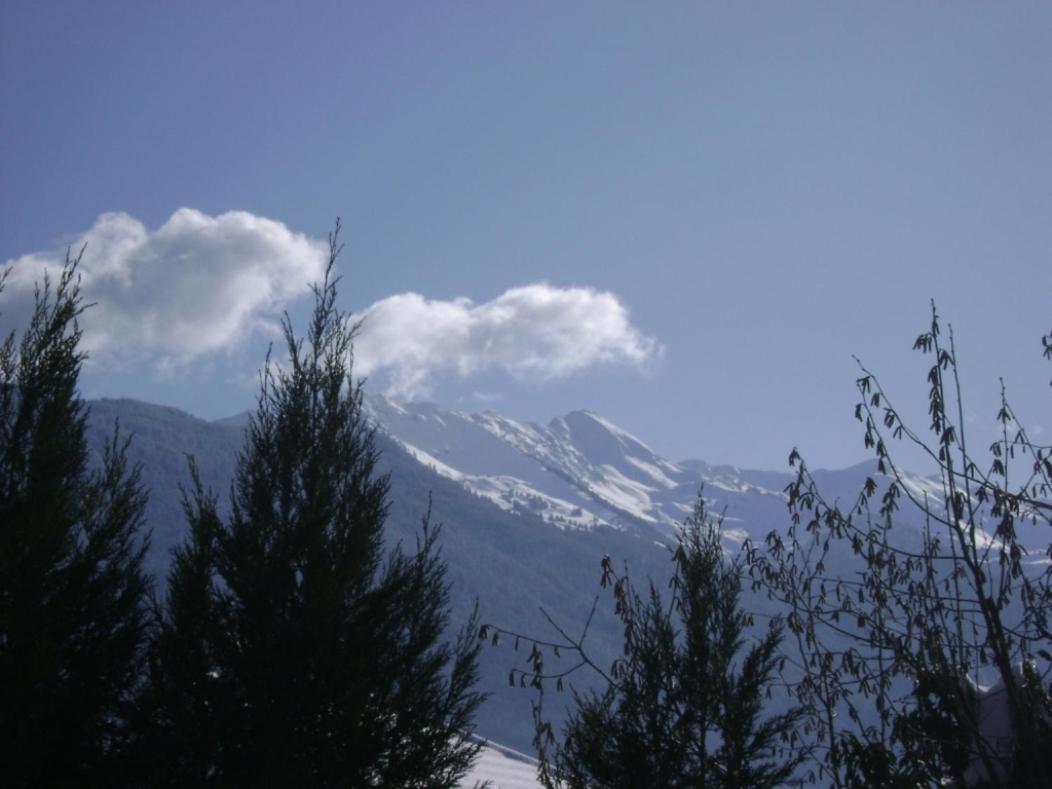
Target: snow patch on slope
[431, 462]
[582, 471]
[504, 768]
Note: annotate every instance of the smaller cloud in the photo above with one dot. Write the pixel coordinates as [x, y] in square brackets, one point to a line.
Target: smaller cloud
[195, 286]
[537, 331]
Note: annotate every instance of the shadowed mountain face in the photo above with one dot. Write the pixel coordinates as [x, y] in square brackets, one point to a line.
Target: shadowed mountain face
[512, 563]
[528, 512]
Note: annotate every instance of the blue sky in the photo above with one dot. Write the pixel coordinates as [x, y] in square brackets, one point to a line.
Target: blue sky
[687, 217]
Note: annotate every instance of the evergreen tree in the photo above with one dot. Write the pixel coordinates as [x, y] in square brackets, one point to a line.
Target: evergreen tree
[72, 589]
[292, 653]
[179, 718]
[683, 707]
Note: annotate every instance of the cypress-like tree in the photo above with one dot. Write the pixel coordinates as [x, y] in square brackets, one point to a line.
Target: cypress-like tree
[292, 653]
[72, 589]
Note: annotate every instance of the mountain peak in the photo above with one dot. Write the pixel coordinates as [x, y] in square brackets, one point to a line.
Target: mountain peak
[583, 470]
[579, 471]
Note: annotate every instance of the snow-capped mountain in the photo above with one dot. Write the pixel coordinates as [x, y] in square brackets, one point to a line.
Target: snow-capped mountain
[510, 564]
[542, 551]
[579, 471]
[500, 767]
[582, 470]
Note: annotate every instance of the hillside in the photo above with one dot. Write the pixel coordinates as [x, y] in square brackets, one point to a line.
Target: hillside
[528, 512]
[511, 563]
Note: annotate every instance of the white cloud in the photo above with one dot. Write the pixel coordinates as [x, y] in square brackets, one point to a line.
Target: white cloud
[537, 331]
[199, 285]
[196, 285]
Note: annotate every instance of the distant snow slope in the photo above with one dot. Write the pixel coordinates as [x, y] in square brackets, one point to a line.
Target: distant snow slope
[582, 470]
[579, 471]
[504, 768]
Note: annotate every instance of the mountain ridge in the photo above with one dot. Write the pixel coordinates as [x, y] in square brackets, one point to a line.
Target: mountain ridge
[499, 486]
[582, 470]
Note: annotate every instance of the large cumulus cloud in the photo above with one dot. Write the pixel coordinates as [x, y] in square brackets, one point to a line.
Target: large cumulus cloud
[196, 285]
[537, 331]
[200, 285]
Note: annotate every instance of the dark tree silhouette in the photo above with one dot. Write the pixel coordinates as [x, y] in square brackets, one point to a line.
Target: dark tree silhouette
[683, 707]
[292, 652]
[894, 657]
[72, 590]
